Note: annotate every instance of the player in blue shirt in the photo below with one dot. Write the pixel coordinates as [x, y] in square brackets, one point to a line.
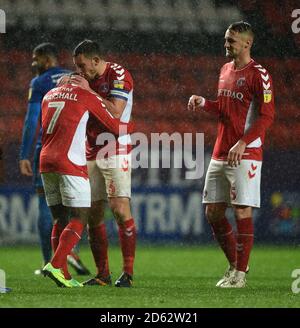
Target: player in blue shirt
[44, 62]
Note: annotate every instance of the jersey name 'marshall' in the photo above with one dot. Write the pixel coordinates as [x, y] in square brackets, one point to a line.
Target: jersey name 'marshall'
[232, 94]
[62, 95]
[117, 318]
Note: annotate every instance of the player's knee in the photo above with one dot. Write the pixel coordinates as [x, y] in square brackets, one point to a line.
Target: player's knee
[119, 212]
[94, 221]
[120, 209]
[80, 213]
[215, 212]
[96, 214]
[242, 212]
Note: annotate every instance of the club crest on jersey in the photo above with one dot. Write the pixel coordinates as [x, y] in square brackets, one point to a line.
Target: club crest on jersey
[104, 87]
[267, 96]
[241, 81]
[118, 84]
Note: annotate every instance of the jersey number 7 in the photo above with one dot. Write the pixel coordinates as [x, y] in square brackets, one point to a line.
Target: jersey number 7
[58, 105]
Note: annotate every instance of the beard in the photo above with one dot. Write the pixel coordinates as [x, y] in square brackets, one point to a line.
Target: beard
[230, 54]
[91, 75]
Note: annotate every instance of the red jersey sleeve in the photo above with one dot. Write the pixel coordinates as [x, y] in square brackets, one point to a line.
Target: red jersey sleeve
[211, 106]
[96, 107]
[121, 83]
[264, 94]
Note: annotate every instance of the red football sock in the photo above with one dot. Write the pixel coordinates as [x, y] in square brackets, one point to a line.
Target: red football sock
[57, 229]
[56, 232]
[68, 239]
[127, 236]
[99, 246]
[245, 237]
[224, 234]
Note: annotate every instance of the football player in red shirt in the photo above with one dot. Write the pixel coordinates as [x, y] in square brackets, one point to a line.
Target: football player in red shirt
[65, 113]
[110, 175]
[245, 109]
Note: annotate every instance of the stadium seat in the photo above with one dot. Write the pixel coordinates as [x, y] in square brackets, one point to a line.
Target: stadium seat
[23, 8]
[95, 9]
[183, 10]
[161, 95]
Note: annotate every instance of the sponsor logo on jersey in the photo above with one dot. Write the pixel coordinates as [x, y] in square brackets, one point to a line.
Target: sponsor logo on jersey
[241, 81]
[118, 84]
[267, 96]
[231, 94]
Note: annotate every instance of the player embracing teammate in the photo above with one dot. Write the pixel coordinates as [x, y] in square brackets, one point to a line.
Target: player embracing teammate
[109, 166]
[65, 112]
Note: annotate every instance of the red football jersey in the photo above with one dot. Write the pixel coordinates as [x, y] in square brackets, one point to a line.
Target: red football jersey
[245, 107]
[65, 112]
[115, 82]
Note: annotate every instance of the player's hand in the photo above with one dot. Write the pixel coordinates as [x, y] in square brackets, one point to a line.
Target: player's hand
[235, 153]
[63, 80]
[25, 167]
[195, 102]
[80, 81]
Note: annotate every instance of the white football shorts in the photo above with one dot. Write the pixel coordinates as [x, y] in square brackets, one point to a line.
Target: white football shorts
[110, 177]
[233, 185]
[69, 190]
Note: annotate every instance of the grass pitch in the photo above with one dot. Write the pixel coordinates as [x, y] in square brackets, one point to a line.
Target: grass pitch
[165, 277]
